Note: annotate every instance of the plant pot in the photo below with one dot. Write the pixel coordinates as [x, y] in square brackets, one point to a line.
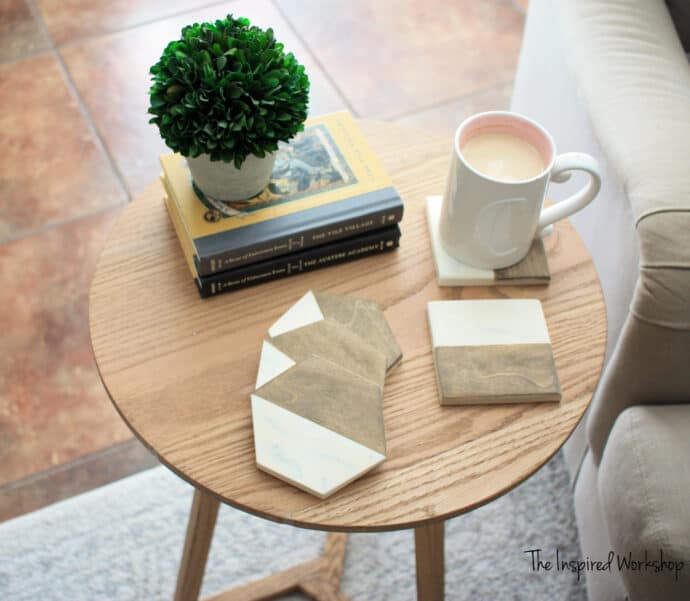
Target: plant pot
[223, 181]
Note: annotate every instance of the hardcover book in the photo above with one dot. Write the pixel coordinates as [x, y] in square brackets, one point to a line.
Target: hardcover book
[326, 185]
[332, 253]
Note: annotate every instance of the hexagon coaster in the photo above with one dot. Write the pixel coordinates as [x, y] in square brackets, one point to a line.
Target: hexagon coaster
[362, 317]
[318, 426]
[328, 339]
[317, 410]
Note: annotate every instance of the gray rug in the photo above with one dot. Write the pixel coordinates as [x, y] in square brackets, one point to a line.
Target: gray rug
[122, 542]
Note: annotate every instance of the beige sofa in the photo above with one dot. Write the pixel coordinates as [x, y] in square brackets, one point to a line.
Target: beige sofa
[609, 77]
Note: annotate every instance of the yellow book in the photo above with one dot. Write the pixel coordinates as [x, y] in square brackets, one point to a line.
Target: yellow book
[326, 185]
[185, 242]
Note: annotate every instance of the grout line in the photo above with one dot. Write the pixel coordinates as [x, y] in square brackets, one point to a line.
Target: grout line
[107, 32]
[82, 460]
[314, 57]
[57, 224]
[86, 113]
[438, 105]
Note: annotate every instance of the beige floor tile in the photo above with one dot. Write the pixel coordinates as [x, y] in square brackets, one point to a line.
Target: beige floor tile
[53, 167]
[20, 33]
[393, 58]
[69, 20]
[445, 118]
[53, 407]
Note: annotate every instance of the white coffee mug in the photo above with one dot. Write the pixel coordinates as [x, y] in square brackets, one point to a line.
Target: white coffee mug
[490, 223]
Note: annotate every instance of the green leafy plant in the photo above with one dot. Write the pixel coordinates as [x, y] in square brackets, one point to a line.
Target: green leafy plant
[229, 90]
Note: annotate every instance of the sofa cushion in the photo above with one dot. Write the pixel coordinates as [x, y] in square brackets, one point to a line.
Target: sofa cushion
[644, 489]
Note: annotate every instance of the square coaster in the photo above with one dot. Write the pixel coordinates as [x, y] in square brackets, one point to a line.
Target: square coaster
[532, 270]
[492, 351]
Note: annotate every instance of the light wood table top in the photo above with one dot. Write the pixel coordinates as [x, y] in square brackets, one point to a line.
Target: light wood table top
[180, 369]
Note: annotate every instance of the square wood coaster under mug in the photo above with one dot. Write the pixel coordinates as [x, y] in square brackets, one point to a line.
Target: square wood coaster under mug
[532, 270]
[492, 351]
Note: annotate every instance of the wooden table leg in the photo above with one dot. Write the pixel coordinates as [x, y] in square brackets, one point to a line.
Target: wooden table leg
[318, 578]
[429, 551]
[202, 521]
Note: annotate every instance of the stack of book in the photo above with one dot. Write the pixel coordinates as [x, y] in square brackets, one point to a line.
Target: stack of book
[329, 201]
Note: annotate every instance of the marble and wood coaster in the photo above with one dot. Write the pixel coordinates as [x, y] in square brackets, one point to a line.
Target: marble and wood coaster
[532, 270]
[317, 409]
[330, 340]
[492, 351]
[318, 426]
[362, 317]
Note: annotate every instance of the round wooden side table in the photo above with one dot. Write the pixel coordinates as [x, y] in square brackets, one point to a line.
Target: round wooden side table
[180, 370]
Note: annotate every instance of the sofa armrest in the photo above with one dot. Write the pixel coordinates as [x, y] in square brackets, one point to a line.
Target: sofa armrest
[649, 366]
[634, 78]
[644, 487]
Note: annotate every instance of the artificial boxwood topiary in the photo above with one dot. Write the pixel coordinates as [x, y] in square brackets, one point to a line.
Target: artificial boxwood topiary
[229, 90]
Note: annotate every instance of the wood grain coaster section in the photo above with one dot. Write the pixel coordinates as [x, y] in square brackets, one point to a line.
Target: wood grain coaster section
[333, 397]
[364, 318]
[180, 369]
[496, 374]
[336, 343]
[533, 269]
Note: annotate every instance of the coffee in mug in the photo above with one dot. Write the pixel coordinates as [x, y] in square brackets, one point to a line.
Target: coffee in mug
[503, 156]
[500, 168]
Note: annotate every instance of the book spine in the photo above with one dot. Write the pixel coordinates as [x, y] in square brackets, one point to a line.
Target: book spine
[318, 235]
[310, 260]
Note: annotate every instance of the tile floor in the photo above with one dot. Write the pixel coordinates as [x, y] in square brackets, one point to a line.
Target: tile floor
[77, 146]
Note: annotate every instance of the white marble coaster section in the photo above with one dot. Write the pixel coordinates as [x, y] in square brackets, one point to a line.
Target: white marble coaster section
[272, 363]
[304, 453]
[487, 322]
[449, 271]
[305, 311]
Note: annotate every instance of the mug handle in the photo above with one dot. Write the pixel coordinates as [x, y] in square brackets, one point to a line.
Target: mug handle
[560, 172]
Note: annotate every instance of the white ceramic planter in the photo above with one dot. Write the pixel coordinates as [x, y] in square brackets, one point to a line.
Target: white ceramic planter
[224, 181]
